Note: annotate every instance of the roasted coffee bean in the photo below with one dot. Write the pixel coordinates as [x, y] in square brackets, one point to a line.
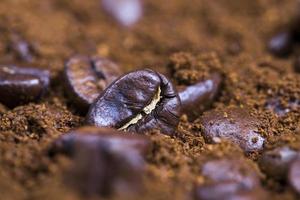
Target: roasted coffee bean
[281, 109]
[275, 163]
[126, 12]
[138, 101]
[89, 135]
[20, 85]
[294, 175]
[102, 158]
[87, 77]
[228, 191]
[198, 97]
[281, 45]
[297, 64]
[228, 179]
[236, 170]
[234, 124]
[22, 49]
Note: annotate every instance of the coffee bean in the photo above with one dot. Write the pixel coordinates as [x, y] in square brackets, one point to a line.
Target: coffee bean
[217, 191]
[126, 12]
[233, 124]
[281, 44]
[297, 64]
[198, 97]
[87, 77]
[294, 175]
[20, 85]
[103, 158]
[138, 101]
[229, 190]
[115, 140]
[22, 49]
[236, 170]
[275, 163]
[280, 108]
[228, 179]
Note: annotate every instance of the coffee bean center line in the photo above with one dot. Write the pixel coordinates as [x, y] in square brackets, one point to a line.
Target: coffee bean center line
[147, 110]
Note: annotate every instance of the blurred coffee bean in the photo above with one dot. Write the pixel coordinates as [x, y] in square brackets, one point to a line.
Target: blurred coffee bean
[22, 49]
[229, 190]
[87, 77]
[104, 160]
[275, 163]
[126, 12]
[294, 175]
[217, 191]
[280, 108]
[281, 44]
[234, 124]
[228, 179]
[138, 101]
[198, 97]
[19, 85]
[297, 64]
[236, 170]
[116, 140]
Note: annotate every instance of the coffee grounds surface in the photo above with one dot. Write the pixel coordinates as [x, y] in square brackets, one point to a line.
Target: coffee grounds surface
[184, 40]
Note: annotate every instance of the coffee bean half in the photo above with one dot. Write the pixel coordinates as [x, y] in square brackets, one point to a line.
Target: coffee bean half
[102, 159]
[138, 101]
[234, 124]
[198, 97]
[19, 85]
[87, 77]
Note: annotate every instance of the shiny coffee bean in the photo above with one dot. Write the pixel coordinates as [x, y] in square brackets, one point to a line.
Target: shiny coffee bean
[20, 85]
[281, 45]
[233, 124]
[294, 175]
[297, 64]
[198, 97]
[275, 163]
[103, 158]
[138, 101]
[126, 12]
[87, 77]
[236, 170]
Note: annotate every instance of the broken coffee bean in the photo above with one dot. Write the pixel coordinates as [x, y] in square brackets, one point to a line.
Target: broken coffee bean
[198, 97]
[138, 102]
[281, 45]
[87, 77]
[19, 85]
[234, 124]
[294, 175]
[103, 158]
[275, 163]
